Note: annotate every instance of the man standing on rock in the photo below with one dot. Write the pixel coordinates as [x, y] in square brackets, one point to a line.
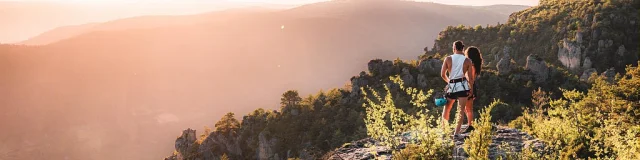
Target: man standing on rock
[459, 85]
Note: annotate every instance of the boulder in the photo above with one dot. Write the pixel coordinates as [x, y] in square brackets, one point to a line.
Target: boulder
[587, 73]
[357, 82]
[587, 63]
[219, 142]
[610, 74]
[430, 67]
[422, 81]
[378, 67]
[569, 54]
[538, 67]
[505, 66]
[186, 140]
[406, 77]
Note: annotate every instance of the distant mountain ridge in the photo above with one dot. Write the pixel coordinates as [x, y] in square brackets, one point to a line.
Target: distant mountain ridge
[31, 18]
[304, 11]
[130, 89]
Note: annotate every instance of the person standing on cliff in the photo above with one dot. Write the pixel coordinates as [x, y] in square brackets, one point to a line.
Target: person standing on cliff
[472, 53]
[459, 84]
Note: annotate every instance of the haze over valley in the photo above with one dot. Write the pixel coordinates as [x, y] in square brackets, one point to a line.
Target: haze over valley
[122, 88]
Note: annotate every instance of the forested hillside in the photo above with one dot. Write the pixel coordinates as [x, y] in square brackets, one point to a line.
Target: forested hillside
[578, 35]
[532, 81]
[125, 86]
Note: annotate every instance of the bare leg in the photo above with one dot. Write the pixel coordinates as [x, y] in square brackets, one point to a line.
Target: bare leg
[462, 102]
[469, 111]
[447, 110]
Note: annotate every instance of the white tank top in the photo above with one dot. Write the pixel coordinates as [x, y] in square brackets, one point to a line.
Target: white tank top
[457, 62]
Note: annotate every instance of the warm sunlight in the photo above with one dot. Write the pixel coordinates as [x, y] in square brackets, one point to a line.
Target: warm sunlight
[319, 79]
[457, 2]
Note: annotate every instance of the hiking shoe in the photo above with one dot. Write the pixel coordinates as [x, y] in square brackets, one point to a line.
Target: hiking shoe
[468, 130]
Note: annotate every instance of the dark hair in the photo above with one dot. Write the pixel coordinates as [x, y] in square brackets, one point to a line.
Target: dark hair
[474, 54]
[458, 45]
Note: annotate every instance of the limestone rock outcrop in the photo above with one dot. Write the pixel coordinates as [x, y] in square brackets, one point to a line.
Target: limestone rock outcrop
[266, 147]
[422, 81]
[430, 67]
[379, 67]
[368, 149]
[357, 82]
[186, 140]
[538, 67]
[229, 144]
[587, 73]
[505, 66]
[569, 54]
[610, 74]
[406, 77]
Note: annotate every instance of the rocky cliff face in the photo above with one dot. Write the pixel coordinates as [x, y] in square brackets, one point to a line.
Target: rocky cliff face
[184, 145]
[514, 139]
[430, 67]
[569, 54]
[538, 67]
[188, 147]
[505, 65]
[266, 147]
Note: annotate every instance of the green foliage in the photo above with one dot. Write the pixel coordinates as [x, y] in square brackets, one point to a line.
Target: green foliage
[224, 157]
[538, 30]
[503, 110]
[290, 98]
[477, 145]
[228, 124]
[602, 123]
[386, 123]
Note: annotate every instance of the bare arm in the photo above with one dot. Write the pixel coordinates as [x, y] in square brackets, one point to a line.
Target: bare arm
[469, 72]
[471, 75]
[445, 68]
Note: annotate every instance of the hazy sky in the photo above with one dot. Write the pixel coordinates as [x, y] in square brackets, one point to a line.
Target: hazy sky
[455, 2]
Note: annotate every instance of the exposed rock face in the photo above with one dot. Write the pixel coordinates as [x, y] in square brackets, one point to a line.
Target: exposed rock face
[610, 74]
[380, 68]
[569, 54]
[357, 82]
[186, 144]
[407, 77]
[539, 68]
[430, 67]
[587, 73]
[422, 81]
[621, 50]
[366, 148]
[265, 147]
[360, 150]
[505, 66]
[186, 140]
[579, 37]
[219, 142]
[587, 63]
[515, 139]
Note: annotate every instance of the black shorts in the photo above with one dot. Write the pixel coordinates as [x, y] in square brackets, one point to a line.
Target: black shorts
[456, 95]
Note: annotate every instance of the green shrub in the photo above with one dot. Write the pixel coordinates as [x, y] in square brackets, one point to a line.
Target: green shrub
[602, 123]
[477, 145]
[386, 123]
